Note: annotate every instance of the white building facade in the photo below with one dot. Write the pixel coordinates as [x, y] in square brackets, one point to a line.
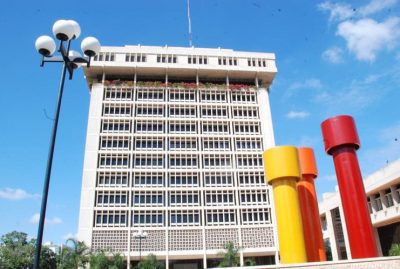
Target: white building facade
[174, 148]
[383, 196]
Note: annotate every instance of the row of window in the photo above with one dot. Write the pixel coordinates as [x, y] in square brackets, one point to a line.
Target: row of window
[113, 161]
[179, 111]
[227, 61]
[166, 58]
[256, 62]
[174, 179]
[180, 127]
[386, 199]
[182, 198]
[170, 58]
[181, 218]
[174, 95]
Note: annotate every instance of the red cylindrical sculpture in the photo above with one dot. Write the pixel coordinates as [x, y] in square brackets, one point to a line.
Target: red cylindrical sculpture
[309, 206]
[341, 141]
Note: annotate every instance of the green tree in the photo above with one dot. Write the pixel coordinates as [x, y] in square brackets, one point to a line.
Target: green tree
[74, 255]
[394, 250]
[99, 260]
[18, 253]
[151, 262]
[230, 256]
[118, 261]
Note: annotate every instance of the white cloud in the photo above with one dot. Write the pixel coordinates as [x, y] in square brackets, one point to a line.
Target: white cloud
[297, 115]
[357, 95]
[366, 37]
[16, 194]
[343, 11]
[311, 83]
[337, 11]
[333, 55]
[376, 6]
[35, 219]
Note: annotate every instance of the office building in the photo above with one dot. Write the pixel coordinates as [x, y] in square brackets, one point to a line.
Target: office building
[383, 195]
[173, 160]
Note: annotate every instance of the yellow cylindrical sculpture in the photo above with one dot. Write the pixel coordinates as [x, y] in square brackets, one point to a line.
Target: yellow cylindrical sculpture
[282, 171]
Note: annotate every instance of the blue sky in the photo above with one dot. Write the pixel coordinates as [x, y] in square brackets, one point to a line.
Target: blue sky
[333, 58]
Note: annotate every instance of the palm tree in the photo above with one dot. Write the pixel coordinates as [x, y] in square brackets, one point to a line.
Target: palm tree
[150, 263]
[74, 256]
[231, 256]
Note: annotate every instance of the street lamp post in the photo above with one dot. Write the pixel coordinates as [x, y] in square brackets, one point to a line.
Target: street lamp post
[141, 235]
[65, 31]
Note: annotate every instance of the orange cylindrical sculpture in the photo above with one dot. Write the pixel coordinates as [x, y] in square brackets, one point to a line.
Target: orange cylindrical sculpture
[309, 206]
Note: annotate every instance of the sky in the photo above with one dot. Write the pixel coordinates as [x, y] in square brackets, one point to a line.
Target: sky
[333, 58]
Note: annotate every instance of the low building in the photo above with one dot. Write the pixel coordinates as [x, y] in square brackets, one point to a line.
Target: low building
[383, 195]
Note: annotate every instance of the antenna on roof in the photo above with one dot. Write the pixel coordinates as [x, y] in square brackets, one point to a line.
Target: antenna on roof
[190, 24]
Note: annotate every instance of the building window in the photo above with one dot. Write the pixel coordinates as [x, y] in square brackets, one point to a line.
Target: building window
[245, 97]
[112, 179]
[257, 62]
[256, 216]
[216, 161]
[118, 94]
[246, 127]
[114, 161]
[181, 95]
[182, 127]
[378, 203]
[176, 111]
[388, 198]
[111, 198]
[146, 94]
[213, 96]
[251, 179]
[215, 127]
[218, 179]
[184, 198]
[183, 161]
[149, 110]
[149, 143]
[214, 112]
[185, 218]
[115, 126]
[114, 143]
[149, 198]
[197, 59]
[135, 57]
[216, 144]
[254, 197]
[227, 61]
[249, 161]
[183, 179]
[220, 217]
[182, 143]
[219, 198]
[166, 58]
[104, 56]
[117, 110]
[148, 161]
[248, 144]
[147, 218]
[244, 112]
[110, 218]
[149, 126]
[148, 179]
